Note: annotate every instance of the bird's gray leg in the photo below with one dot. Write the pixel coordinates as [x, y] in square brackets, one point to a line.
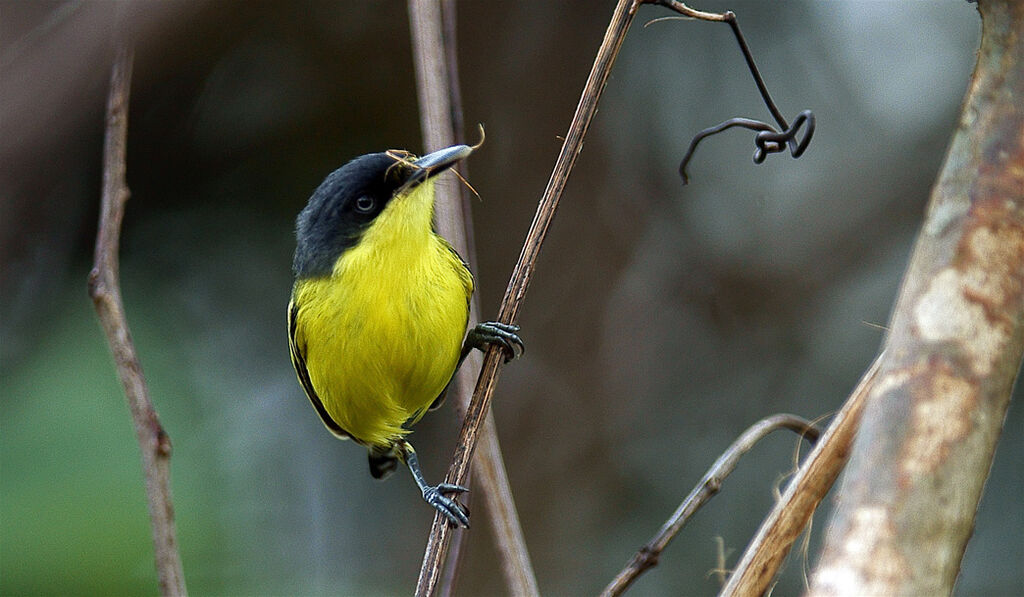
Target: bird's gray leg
[455, 512]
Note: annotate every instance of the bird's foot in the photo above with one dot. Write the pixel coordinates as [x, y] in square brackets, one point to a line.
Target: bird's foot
[456, 513]
[494, 332]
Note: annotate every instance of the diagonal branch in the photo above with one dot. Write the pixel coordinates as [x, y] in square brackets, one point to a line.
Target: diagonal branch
[647, 556]
[756, 570]
[105, 290]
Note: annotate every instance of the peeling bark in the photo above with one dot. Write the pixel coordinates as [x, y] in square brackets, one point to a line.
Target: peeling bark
[908, 501]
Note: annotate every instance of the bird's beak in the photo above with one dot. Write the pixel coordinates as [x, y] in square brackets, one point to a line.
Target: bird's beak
[442, 159]
[432, 164]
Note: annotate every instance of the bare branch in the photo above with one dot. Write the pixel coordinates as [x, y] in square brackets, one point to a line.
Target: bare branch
[489, 467]
[647, 556]
[688, 12]
[933, 418]
[762, 559]
[105, 290]
[436, 78]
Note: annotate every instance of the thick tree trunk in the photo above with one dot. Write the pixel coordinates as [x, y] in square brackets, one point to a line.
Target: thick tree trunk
[908, 501]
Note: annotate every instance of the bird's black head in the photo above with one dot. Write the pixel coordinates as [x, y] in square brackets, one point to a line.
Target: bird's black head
[348, 200]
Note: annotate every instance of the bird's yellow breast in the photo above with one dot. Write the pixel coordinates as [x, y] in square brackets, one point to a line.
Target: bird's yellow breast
[381, 335]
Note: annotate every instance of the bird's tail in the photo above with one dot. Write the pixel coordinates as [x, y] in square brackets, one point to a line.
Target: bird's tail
[383, 461]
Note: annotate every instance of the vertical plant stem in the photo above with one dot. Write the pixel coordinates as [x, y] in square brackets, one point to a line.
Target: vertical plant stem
[441, 531]
[105, 290]
[440, 111]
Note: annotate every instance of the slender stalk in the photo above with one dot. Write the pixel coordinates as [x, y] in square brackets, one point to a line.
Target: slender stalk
[441, 532]
[105, 290]
[440, 110]
[464, 381]
[686, 11]
[434, 94]
[510, 542]
[647, 556]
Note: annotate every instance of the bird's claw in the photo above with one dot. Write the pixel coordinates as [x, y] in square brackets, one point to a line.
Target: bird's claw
[456, 513]
[494, 332]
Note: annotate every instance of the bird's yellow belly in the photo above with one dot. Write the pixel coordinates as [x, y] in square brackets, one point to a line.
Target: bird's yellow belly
[387, 339]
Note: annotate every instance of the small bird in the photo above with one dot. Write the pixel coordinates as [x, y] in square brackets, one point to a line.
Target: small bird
[380, 306]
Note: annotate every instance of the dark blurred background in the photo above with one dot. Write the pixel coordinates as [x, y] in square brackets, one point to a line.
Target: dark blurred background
[662, 320]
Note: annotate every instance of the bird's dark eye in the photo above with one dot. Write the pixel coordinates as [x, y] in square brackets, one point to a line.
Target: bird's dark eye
[365, 204]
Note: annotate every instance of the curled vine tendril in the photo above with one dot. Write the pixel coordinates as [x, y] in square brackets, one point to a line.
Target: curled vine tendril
[768, 139]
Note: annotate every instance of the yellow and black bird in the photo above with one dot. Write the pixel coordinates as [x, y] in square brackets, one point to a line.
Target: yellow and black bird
[380, 306]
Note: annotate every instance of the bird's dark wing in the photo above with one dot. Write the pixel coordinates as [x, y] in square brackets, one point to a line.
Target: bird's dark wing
[298, 349]
[439, 401]
[464, 273]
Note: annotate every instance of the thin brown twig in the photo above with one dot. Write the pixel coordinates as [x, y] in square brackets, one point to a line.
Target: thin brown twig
[441, 119]
[763, 557]
[105, 290]
[688, 12]
[441, 532]
[510, 543]
[647, 556]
